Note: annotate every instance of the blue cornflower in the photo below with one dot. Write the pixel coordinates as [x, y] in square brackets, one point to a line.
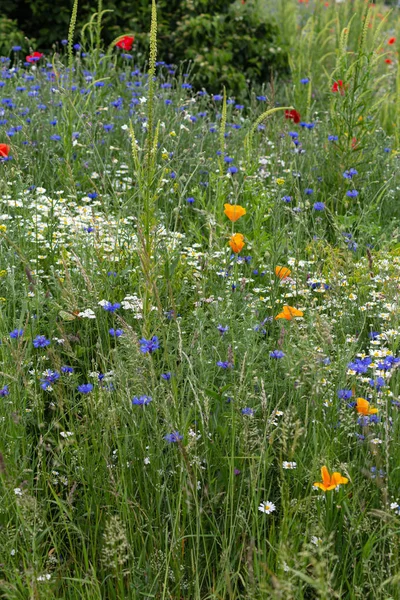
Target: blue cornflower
[116, 332]
[287, 199]
[359, 365]
[293, 134]
[308, 191]
[55, 137]
[141, 400]
[16, 48]
[108, 127]
[48, 378]
[16, 333]
[41, 341]
[261, 98]
[109, 307]
[4, 391]
[173, 437]
[373, 335]
[333, 138]
[350, 173]
[319, 206]
[85, 388]
[377, 383]
[224, 364]
[305, 80]
[67, 369]
[344, 394]
[149, 345]
[232, 170]
[77, 46]
[249, 412]
[218, 97]
[222, 329]
[276, 354]
[166, 376]
[228, 159]
[92, 195]
[352, 193]
[190, 200]
[64, 42]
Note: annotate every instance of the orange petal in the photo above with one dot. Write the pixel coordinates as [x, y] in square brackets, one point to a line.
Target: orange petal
[234, 211]
[338, 479]
[321, 486]
[282, 272]
[326, 478]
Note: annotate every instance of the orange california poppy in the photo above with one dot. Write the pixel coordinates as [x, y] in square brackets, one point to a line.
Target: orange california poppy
[282, 272]
[237, 242]
[329, 482]
[363, 407]
[4, 150]
[289, 312]
[234, 211]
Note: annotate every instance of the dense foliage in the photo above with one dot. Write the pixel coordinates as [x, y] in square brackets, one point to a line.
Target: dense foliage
[221, 42]
[199, 322]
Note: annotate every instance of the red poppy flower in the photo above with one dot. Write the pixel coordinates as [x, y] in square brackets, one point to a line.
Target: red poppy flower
[293, 115]
[4, 150]
[126, 42]
[388, 61]
[354, 143]
[391, 40]
[338, 87]
[34, 57]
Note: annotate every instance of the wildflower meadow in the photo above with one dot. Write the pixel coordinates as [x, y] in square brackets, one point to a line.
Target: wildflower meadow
[200, 318]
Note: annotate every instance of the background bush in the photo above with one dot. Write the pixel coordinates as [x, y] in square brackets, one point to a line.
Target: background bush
[227, 42]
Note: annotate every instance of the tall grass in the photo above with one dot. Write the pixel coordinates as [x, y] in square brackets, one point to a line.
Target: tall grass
[202, 405]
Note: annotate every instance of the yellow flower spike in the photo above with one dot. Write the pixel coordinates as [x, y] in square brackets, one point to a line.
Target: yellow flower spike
[330, 482]
[234, 211]
[363, 407]
[237, 242]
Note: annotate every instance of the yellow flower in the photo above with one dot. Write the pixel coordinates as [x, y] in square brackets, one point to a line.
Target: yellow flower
[172, 133]
[234, 211]
[280, 181]
[237, 242]
[3, 273]
[329, 482]
[3, 228]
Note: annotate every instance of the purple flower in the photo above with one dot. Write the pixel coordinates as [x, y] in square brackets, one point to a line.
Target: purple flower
[85, 388]
[190, 200]
[224, 364]
[41, 341]
[141, 400]
[173, 437]
[4, 391]
[276, 354]
[16, 333]
[319, 206]
[308, 191]
[166, 376]
[49, 377]
[249, 412]
[149, 345]
[352, 193]
[232, 170]
[222, 329]
[67, 369]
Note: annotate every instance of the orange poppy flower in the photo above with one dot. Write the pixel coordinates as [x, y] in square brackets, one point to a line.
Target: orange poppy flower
[237, 242]
[289, 312]
[4, 150]
[363, 407]
[282, 272]
[234, 211]
[329, 482]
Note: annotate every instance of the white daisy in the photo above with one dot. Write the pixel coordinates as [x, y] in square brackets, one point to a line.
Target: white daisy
[267, 507]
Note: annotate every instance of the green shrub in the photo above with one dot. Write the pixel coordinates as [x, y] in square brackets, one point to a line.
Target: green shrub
[226, 41]
[10, 35]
